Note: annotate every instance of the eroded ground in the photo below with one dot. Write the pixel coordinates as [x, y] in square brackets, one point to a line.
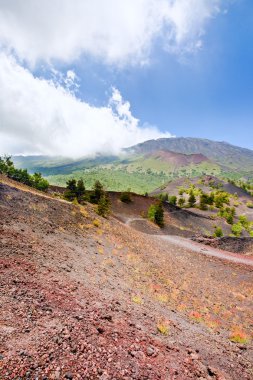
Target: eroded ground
[88, 298]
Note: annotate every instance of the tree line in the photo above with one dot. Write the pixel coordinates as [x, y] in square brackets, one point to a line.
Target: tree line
[21, 175]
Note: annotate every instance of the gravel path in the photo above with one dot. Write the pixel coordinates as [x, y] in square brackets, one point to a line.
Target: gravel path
[197, 247]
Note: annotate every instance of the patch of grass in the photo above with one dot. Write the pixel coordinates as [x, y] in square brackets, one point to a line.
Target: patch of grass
[163, 327]
[96, 223]
[196, 316]
[162, 298]
[238, 336]
[138, 300]
[101, 250]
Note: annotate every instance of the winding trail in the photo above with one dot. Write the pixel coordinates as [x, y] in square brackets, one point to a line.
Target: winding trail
[198, 247]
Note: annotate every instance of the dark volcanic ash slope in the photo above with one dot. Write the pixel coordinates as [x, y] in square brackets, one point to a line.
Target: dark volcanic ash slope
[87, 298]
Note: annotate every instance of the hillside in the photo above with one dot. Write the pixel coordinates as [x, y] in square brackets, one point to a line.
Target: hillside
[92, 298]
[228, 156]
[149, 165]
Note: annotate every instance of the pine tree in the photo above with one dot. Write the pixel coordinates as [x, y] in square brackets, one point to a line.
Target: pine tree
[104, 204]
[156, 213]
[70, 193]
[80, 190]
[98, 192]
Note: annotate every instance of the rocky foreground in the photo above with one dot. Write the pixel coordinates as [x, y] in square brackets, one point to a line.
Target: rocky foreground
[87, 298]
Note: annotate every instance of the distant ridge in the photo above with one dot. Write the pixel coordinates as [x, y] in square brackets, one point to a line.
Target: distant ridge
[227, 155]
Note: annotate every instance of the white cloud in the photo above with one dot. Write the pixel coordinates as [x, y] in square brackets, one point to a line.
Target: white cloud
[116, 31]
[39, 116]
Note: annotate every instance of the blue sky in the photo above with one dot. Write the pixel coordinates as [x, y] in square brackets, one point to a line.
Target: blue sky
[95, 77]
[208, 94]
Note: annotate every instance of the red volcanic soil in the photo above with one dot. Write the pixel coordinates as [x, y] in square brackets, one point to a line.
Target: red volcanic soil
[84, 297]
[178, 159]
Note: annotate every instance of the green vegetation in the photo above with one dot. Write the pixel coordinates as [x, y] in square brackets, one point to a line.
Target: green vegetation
[192, 199]
[173, 200]
[114, 179]
[76, 193]
[156, 213]
[227, 213]
[97, 193]
[181, 202]
[125, 197]
[237, 229]
[218, 232]
[21, 175]
[75, 190]
[103, 208]
[164, 197]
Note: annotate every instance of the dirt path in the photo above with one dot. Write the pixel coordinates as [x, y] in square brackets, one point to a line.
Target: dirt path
[203, 249]
[199, 248]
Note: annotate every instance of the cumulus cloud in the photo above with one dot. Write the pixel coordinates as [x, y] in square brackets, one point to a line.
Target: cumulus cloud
[47, 117]
[117, 31]
[40, 116]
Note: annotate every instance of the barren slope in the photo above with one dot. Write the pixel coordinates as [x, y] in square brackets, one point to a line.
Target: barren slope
[84, 300]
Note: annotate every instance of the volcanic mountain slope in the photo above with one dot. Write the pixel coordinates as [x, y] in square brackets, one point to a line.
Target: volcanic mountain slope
[178, 159]
[88, 298]
[148, 165]
[178, 221]
[240, 199]
[224, 154]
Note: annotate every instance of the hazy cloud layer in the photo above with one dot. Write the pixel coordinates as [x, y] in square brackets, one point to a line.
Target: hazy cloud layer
[38, 116]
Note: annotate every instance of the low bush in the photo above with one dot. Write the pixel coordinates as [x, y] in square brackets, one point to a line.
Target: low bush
[237, 229]
[218, 232]
[125, 197]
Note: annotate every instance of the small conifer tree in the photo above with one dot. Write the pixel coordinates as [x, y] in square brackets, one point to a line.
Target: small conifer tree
[104, 204]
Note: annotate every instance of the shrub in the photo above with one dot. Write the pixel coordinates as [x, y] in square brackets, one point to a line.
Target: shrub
[218, 232]
[126, 197]
[249, 204]
[173, 200]
[181, 191]
[236, 229]
[164, 197]
[181, 202]
[156, 213]
[203, 202]
[221, 198]
[192, 199]
[230, 219]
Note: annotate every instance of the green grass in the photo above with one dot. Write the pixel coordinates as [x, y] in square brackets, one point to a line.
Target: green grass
[114, 180]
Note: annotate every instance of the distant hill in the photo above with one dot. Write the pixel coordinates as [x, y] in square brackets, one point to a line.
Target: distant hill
[149, 165]
[223, 153]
